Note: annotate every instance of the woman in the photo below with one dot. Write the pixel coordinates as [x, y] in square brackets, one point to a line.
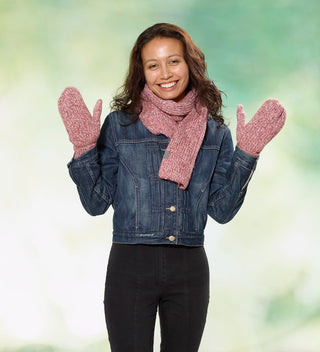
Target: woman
[164, 160]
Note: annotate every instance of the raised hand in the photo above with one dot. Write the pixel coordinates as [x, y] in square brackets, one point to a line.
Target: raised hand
[82, 127]
[253, 136]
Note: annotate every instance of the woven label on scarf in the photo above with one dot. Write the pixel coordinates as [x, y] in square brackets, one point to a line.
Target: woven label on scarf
[166, 154]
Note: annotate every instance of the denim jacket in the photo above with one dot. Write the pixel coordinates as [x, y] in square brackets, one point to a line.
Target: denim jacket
[122, 171]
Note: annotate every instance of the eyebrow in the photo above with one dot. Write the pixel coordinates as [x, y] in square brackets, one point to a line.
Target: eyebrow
[167, 58]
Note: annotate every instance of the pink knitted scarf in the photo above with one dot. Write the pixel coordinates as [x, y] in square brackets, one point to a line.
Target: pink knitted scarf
[184, 123]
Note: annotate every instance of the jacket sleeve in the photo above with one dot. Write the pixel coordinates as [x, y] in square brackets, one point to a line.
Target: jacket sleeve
[230, 180]
[95, 172]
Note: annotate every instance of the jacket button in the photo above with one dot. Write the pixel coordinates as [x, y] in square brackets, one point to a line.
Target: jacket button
[172, 208]
[171, 238]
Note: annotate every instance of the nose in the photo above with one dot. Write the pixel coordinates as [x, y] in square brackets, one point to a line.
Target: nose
[165, 72]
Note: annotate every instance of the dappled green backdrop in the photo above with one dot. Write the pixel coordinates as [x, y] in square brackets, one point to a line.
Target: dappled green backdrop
[265, 267]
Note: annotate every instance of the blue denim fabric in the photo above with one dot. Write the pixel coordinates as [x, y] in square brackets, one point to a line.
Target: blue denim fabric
[122, 171]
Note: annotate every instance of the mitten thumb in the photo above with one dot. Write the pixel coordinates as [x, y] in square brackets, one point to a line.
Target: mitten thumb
[97, 111]
[241, 117]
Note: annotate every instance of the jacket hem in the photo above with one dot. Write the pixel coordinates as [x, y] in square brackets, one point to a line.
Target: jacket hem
[151, 238]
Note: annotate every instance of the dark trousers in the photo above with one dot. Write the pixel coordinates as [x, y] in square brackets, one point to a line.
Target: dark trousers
[142, 279]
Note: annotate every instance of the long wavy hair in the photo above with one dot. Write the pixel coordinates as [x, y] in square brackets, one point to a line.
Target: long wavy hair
[128, 98]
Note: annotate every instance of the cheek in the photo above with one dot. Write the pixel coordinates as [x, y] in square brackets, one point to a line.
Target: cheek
[185, 75]
[149, 77]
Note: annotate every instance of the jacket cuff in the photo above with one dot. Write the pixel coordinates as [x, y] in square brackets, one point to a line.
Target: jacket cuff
[86, 157]
[248, 159]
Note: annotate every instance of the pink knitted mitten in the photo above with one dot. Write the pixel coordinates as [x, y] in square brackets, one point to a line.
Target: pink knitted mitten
[258, 132]
[83, 129]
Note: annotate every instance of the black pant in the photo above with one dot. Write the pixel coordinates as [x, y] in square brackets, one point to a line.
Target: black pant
[141, 279]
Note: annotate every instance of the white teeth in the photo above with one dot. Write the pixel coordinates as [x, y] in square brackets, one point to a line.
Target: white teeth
[168, 85]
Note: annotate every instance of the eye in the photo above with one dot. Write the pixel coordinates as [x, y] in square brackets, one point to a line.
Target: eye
[174, 62]
[152, 66]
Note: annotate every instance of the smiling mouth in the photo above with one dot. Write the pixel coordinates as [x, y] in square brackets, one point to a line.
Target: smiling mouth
[168, 85]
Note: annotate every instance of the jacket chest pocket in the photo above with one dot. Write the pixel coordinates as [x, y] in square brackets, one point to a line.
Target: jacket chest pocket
[154, 158]
[143, 159]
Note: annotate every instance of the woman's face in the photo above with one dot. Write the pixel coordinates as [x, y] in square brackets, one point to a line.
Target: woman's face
[165, 70]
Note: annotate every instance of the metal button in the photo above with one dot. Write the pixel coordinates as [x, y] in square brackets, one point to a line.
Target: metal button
[171, 238]
[172, 208]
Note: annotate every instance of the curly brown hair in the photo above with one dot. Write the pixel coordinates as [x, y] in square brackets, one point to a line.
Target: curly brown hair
[128, 99]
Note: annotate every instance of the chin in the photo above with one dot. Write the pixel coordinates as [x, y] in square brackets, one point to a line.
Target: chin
[175, 97]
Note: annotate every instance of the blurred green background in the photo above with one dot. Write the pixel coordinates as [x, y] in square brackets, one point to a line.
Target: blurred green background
[265, 267]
